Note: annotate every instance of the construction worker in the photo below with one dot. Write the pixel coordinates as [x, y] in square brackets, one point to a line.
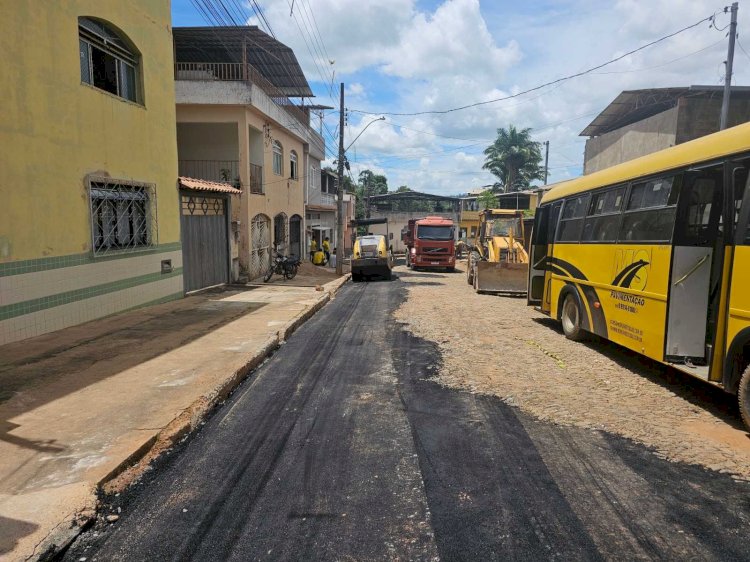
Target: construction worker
[327, 249]
[313, 248]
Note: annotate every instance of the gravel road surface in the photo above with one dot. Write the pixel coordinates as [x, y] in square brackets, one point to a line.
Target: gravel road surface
[499, 346]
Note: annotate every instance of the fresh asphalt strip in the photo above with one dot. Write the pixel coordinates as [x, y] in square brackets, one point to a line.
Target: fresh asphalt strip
[340, 447]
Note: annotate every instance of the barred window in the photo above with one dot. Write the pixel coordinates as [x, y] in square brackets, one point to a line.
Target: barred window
[278, 159]
[108, 62]
[122, 216]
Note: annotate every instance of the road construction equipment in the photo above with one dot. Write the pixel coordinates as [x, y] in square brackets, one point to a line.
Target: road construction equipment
[430, 243]
[498, 262]
[371, 254]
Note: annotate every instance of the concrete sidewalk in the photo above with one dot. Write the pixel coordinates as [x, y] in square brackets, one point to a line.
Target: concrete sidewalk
[87, 408]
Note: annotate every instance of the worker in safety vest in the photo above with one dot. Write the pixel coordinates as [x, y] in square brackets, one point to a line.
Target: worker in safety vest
[313, 248]
[327, 249]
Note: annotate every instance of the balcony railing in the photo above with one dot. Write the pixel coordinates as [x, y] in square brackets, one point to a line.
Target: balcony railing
[256, 179]
[209, 71]
[227, 171]
[235, 72]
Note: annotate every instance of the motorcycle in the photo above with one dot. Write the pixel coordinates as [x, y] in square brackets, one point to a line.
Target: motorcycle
[282, 265]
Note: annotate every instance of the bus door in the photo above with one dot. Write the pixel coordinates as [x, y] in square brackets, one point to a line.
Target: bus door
[696, 267]
[542, 240]
[739, 296]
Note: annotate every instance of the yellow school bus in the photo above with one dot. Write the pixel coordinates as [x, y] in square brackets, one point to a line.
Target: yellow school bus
[654, 254]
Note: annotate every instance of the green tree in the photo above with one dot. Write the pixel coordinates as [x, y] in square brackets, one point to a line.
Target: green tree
[514, 159]
[488, 200]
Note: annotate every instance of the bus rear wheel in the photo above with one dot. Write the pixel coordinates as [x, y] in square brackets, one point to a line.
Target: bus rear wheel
[743, 397]
[571, 318]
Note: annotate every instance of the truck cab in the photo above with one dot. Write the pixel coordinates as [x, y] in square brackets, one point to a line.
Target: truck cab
[430, 243]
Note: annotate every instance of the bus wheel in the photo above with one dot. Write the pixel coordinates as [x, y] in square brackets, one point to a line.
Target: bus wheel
[743, 397]
[571, 318]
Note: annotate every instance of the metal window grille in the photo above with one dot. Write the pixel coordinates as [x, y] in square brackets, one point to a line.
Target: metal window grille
[123, 215]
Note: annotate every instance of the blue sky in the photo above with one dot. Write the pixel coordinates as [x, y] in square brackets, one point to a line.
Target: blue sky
[407, 56]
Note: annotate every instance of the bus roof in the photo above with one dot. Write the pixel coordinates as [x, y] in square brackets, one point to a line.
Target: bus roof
[710, 147]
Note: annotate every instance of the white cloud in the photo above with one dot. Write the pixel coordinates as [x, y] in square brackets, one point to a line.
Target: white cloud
[398, 57]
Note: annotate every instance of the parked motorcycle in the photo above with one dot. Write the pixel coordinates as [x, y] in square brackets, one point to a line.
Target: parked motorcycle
[286, 266]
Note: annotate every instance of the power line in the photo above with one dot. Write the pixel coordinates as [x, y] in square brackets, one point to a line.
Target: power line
[742, 48]
[557, 81]
[661, 65]
[309, 50]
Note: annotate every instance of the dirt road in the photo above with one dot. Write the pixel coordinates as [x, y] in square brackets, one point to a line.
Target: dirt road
[501, 347]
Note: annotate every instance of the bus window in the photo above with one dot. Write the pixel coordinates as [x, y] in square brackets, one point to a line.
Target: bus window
[571, 221]
[603, 221]
[650, 211]
[701, 210]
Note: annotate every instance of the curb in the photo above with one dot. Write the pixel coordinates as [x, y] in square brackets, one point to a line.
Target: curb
[132, 467]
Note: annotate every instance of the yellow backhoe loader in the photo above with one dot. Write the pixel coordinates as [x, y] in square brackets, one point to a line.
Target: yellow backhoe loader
[498, 262]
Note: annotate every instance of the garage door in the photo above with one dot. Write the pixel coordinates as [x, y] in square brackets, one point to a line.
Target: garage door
[205, 240]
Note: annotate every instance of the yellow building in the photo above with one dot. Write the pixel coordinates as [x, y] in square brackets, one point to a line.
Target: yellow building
[236, 123]
[89, 221]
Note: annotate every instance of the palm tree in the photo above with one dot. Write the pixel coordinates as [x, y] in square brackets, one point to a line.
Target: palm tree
[514, 158]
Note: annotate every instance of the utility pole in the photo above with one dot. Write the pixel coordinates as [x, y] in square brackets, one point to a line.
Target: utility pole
[546, 160]
[729, 62]
[340, 245]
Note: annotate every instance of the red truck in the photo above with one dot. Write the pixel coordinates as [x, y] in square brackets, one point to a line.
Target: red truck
[430, 243]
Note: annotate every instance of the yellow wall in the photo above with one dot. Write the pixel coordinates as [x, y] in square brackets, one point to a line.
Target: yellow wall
[54, 130]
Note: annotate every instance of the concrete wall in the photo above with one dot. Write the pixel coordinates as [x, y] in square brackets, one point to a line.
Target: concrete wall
[398, 221]
[282, 194]
[699, 116]
[55, 130]
[637, 139]
[207, 141]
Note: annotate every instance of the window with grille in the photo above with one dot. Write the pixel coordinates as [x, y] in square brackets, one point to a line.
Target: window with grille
[293, 165]
[107, 60]
[278, 159]
[122, 215]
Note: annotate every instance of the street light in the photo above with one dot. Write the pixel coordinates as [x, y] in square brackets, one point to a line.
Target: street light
[363, 130]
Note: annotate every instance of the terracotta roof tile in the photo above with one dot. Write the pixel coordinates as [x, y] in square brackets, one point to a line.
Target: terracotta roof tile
[205, 185]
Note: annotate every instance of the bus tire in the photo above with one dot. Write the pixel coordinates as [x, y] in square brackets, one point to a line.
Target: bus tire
[743, 397]
[570, 316]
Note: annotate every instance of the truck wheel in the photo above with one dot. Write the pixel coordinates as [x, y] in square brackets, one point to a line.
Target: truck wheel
[743, 397]
[571, 318]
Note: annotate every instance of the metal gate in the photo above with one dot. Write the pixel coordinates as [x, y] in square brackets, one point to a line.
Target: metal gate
[205, 240]
[295, 236]
[260, 251]
[279, 233]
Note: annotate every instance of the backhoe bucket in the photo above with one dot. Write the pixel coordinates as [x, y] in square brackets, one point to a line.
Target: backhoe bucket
[504, 278]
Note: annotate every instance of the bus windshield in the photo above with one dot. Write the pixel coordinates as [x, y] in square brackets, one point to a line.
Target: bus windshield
[425, 232]
[504, 227]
